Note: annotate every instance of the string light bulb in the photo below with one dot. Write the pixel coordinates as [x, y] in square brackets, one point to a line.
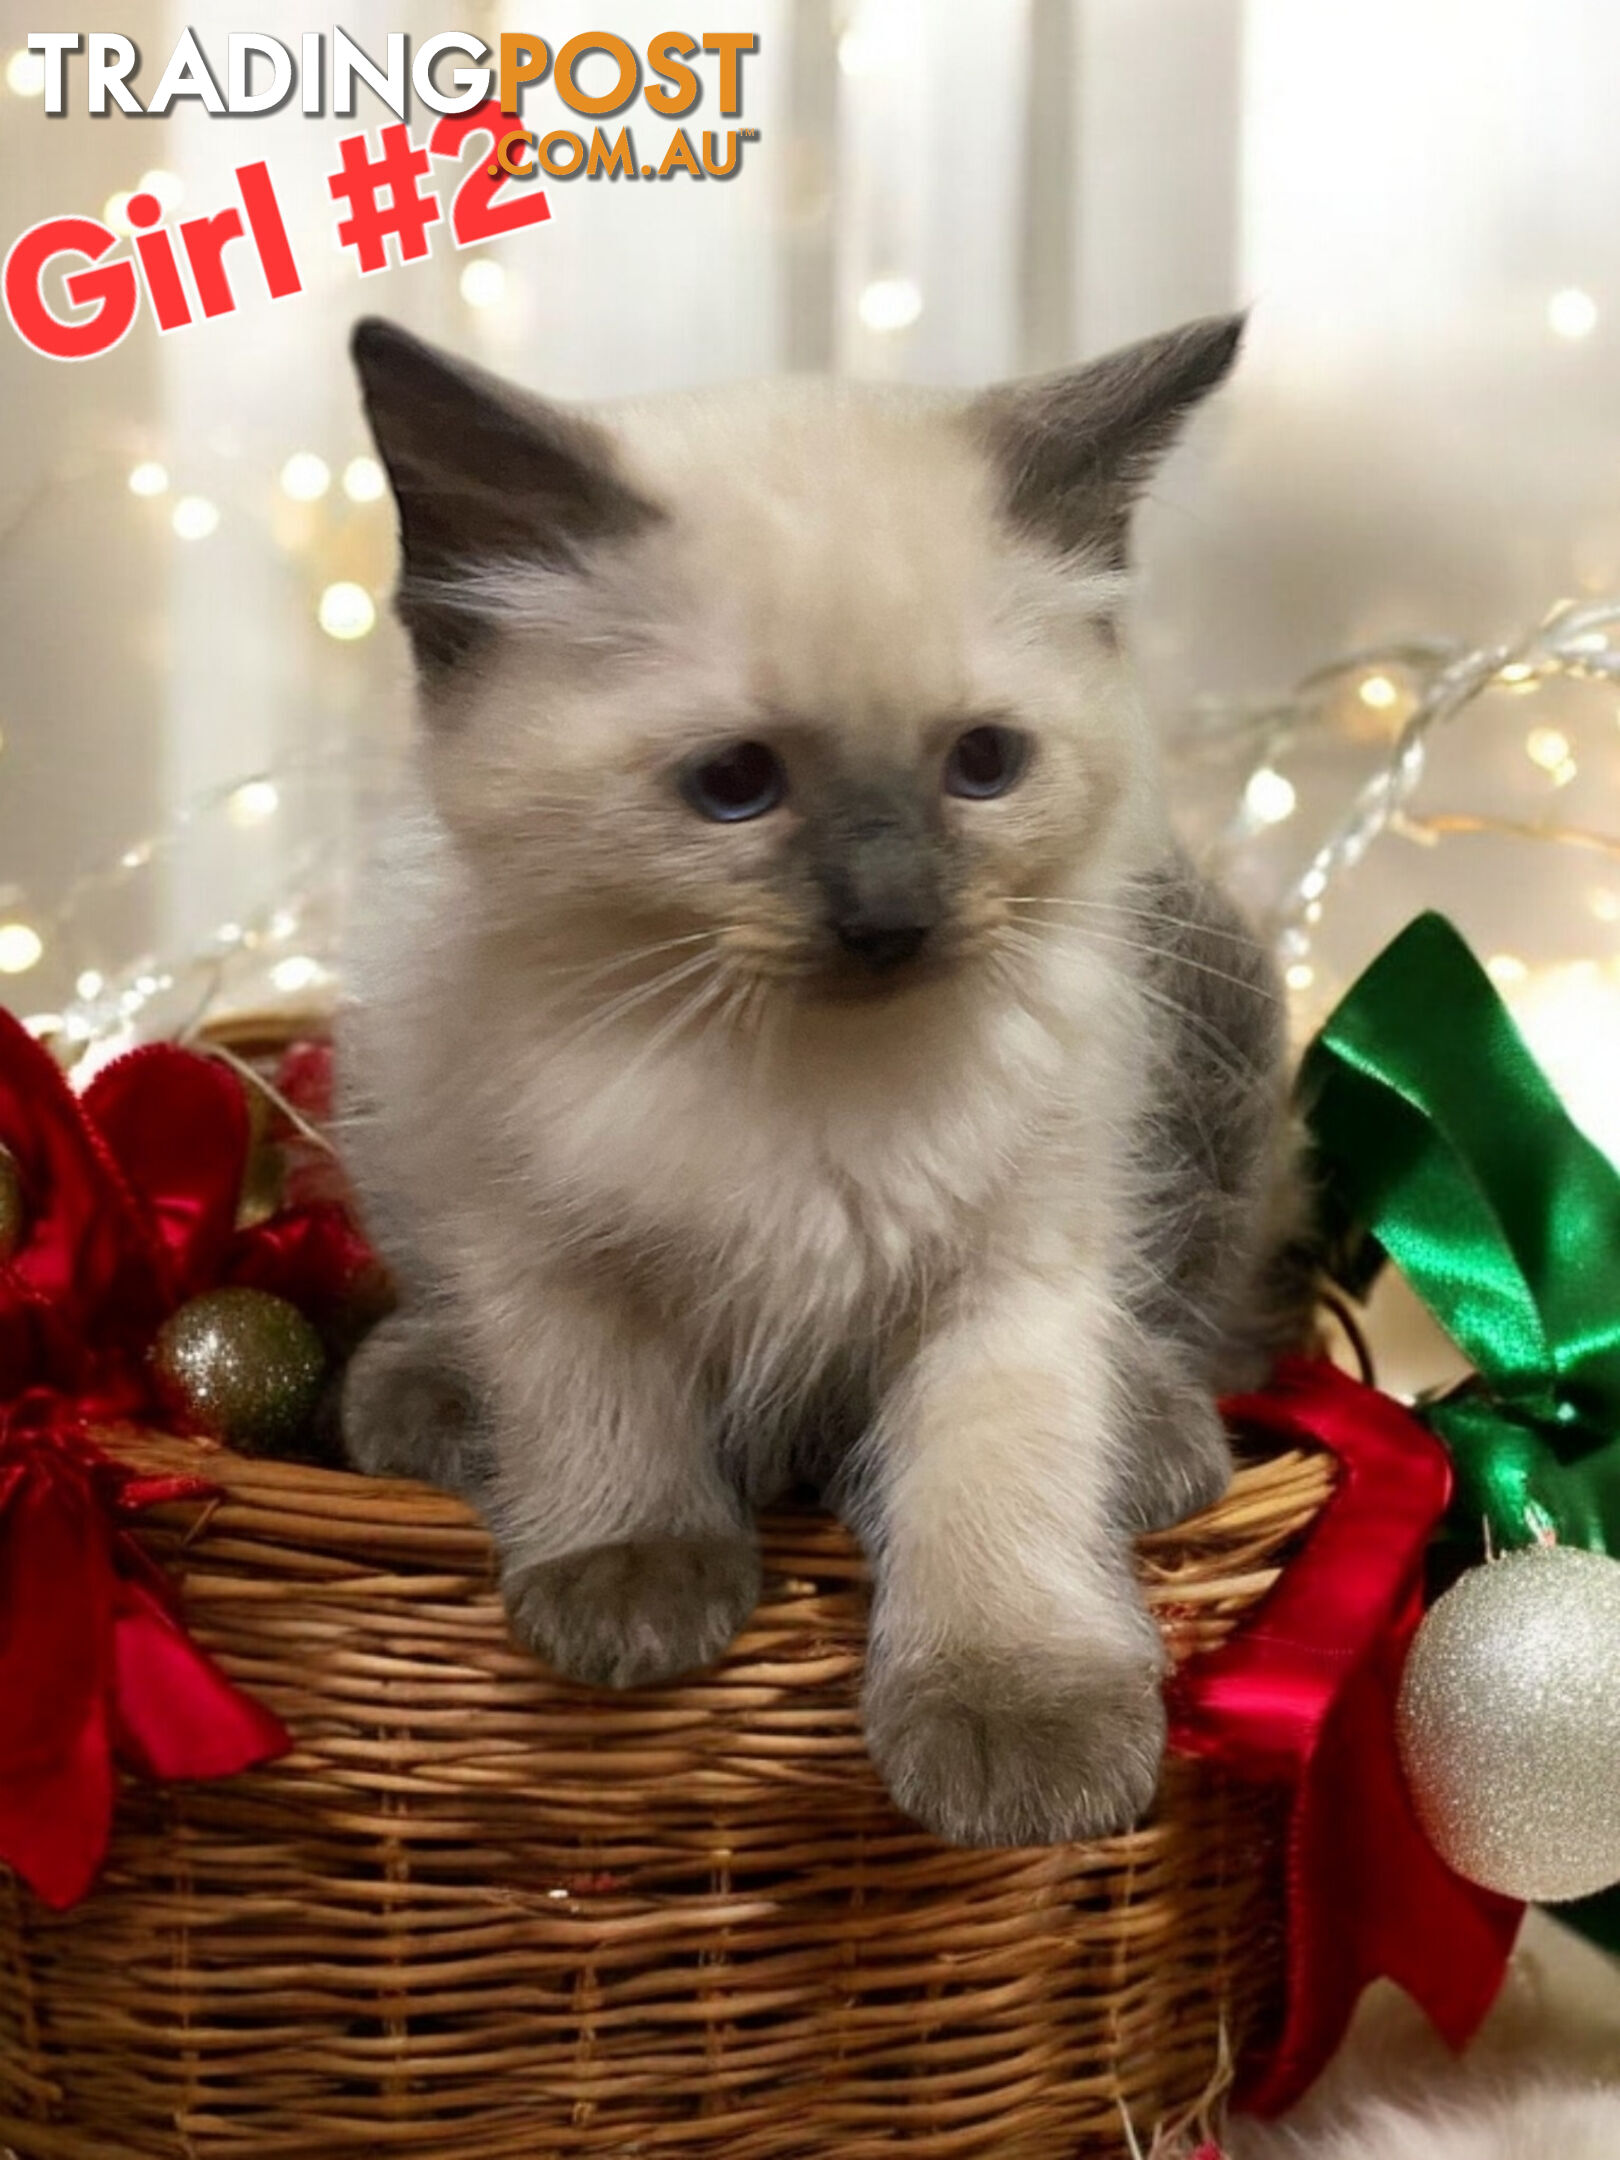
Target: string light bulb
[21, 947]
[148, 478]
[483, 282]
[1549, 747]
[346, 611]
[1572, 313]
[1270, 796]
[168, 187]
[195, 517]
[889, 304]
[364, 480]
[253, 803]
[297, 972]
[25, 74]
[305, 477]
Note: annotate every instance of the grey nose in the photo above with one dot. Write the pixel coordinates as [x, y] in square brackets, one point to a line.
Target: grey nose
[882, 945]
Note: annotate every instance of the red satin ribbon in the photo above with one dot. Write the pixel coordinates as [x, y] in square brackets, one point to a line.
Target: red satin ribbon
[95, 1667]
[131, 1196]
[1304, 1696]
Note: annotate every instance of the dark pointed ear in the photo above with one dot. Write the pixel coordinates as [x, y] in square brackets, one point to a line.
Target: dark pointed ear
[1075, 448]
[482, 473]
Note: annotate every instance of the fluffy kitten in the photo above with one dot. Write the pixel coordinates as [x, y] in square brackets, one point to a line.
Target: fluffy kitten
[789, 1045]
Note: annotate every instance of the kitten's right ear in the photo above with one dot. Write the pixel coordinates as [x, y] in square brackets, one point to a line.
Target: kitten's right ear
[1076, 447]
[482, 474]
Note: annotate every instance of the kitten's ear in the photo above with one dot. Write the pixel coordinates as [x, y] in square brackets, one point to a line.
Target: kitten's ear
[482, 473]
[1076, 447]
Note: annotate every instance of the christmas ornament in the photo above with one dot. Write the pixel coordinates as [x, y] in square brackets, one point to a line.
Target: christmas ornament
[1302, 1698]
[1510, 1723]
[242, 1365]
[11, 1205]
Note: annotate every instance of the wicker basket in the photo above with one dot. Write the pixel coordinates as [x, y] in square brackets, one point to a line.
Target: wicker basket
[479, 1914]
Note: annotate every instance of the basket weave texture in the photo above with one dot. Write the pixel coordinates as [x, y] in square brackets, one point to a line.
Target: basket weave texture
[480, 1914]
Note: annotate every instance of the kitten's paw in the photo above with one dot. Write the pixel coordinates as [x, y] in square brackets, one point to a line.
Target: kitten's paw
[630, 1615]
[1180, 1460]
[406, 1413]
[983, 1753]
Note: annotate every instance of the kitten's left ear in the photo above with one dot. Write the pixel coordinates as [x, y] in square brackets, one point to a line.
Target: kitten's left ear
[1076, 447]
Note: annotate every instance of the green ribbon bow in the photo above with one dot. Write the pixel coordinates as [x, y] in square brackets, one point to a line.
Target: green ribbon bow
[1439, 1138]
[1441, 1144]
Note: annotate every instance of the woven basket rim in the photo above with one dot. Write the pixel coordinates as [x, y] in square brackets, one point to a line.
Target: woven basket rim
[336, 1508]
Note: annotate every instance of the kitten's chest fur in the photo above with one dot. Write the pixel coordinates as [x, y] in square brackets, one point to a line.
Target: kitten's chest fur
[796, 1223]
[797, 1205]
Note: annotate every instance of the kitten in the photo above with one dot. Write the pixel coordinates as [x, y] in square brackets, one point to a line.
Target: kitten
[789, 1045]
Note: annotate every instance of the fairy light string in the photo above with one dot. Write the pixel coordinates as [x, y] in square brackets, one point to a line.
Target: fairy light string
[1570, 643]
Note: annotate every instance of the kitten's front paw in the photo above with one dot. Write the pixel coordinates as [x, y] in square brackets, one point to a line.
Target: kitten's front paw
[1180, 1460]
[630, 1615]
[981, 1752]
[407, 1413]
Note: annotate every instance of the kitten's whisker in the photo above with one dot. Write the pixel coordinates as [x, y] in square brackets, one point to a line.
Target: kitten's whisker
[593, 969]
[1218, 1043]
[1078, 932]
[1152, 915]
[673, 1026]
[629, 1001]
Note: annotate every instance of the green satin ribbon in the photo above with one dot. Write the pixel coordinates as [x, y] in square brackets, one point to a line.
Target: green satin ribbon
[1439, 1139]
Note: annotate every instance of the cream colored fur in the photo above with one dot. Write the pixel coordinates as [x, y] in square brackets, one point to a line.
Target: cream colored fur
[646, 1185]
[813, 1173]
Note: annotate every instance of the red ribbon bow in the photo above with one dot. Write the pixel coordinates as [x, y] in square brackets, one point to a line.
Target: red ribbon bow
[132, 1193]
[94, 1663]
[131, 1201]
[1304, 1696]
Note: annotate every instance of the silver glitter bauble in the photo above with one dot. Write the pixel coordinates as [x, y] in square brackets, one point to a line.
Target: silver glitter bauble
[242, 1365]
[1509, 1724]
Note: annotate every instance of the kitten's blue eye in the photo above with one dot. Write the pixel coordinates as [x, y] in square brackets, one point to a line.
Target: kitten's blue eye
[742, 781]
[985, 761]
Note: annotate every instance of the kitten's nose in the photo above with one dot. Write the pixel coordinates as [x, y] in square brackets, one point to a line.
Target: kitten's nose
[882, 945]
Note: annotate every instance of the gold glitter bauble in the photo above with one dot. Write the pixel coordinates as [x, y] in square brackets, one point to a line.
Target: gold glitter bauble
[13, 1220]
[1509, 1724]
[243, 1366]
